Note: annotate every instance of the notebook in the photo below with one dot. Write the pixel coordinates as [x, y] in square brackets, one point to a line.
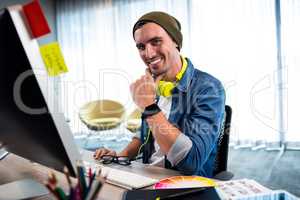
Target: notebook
[208, 193]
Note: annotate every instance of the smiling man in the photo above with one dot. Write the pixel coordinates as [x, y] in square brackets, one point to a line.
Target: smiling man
[183, 107]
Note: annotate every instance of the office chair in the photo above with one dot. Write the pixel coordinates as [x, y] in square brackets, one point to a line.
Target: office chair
[100, 118]
[102, 114]
[220, 170]
[134, 121]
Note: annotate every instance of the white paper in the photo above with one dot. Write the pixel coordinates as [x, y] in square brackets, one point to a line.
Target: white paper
[237, 189]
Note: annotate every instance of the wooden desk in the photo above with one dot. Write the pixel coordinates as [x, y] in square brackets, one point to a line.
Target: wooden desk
[14, 168]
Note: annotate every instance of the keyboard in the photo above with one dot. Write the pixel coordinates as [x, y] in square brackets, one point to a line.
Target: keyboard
[121, 178]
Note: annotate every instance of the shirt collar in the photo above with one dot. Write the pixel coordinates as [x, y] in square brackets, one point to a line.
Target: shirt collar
[185, 81]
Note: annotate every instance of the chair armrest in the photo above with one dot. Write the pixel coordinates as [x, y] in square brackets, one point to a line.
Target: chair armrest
[224, 176]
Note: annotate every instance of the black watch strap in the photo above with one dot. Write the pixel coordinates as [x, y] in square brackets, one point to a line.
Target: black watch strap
[151, 110]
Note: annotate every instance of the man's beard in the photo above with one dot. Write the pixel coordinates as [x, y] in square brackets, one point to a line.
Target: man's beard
[163, 73]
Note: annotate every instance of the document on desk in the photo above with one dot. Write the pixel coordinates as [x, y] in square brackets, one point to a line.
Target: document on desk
[238, 189]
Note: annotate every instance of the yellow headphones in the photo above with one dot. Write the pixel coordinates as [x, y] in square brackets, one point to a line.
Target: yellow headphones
[165, 87]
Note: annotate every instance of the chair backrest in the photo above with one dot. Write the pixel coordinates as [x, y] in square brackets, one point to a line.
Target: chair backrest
[223, 143]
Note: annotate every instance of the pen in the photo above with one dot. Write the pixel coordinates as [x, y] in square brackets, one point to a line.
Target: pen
[181, 194]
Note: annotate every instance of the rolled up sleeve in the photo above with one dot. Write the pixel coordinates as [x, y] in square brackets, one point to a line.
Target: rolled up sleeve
[202, 127]
[179, 149]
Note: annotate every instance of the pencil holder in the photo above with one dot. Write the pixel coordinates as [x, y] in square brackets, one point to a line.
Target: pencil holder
[84, 188]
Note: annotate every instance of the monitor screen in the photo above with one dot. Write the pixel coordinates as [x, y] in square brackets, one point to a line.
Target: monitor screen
[28, 127]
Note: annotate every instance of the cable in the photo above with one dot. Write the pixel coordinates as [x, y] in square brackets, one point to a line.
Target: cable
[148, 135]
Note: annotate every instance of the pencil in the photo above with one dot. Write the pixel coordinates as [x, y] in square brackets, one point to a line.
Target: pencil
[77, 193]
[81, 179]
[52, 190]
[90, 174]
[91, 182]
[67, 174]
[52, 178]
[71, 189]
[61, 193]
[95, 187]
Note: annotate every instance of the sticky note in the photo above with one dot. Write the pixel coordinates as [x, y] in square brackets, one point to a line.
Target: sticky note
[53, 59]
[36, 19]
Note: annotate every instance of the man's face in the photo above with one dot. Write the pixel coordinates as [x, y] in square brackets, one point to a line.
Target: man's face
[156, 48]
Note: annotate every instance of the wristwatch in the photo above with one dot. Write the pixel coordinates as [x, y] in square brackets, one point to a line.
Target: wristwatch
[151, 110]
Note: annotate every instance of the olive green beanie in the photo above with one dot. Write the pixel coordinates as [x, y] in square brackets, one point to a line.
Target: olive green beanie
[169, 23]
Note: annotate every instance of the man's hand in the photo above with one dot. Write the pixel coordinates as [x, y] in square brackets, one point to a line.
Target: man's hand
[143, 90]
[103, 151]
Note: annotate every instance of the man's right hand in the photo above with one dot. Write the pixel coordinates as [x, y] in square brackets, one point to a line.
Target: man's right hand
[103, 151]
[131, 150]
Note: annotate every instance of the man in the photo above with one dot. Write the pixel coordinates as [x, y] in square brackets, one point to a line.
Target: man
[180, 126]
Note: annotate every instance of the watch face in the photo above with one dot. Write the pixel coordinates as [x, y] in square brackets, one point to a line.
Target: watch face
[151, 110]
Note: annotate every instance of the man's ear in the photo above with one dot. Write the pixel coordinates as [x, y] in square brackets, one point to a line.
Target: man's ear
[176, 45]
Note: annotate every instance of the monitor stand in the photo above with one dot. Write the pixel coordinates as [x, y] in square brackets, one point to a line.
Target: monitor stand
[22, 189]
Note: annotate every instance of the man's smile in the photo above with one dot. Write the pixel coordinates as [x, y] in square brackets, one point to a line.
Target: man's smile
[153, 62]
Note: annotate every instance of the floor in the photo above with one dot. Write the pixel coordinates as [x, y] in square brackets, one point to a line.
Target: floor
[267, 167]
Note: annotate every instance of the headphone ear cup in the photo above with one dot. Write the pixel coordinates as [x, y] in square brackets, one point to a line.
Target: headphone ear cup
[165, 88]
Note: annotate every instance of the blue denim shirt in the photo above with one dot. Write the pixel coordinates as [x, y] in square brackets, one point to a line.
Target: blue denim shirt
[197, 110]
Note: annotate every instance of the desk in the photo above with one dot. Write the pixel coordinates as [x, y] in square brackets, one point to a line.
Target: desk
[14, 168]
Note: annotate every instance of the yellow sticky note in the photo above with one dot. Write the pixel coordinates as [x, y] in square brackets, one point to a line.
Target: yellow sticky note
[53, 59]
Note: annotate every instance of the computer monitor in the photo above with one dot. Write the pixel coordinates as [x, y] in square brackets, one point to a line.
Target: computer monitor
[28, 126]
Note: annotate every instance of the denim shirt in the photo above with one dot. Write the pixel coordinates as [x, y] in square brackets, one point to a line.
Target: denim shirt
[197, 110]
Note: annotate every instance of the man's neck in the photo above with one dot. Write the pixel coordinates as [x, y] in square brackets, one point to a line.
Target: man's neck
[175, 69]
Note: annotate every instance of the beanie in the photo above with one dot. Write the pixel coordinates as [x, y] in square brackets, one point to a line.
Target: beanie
[169, 23]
